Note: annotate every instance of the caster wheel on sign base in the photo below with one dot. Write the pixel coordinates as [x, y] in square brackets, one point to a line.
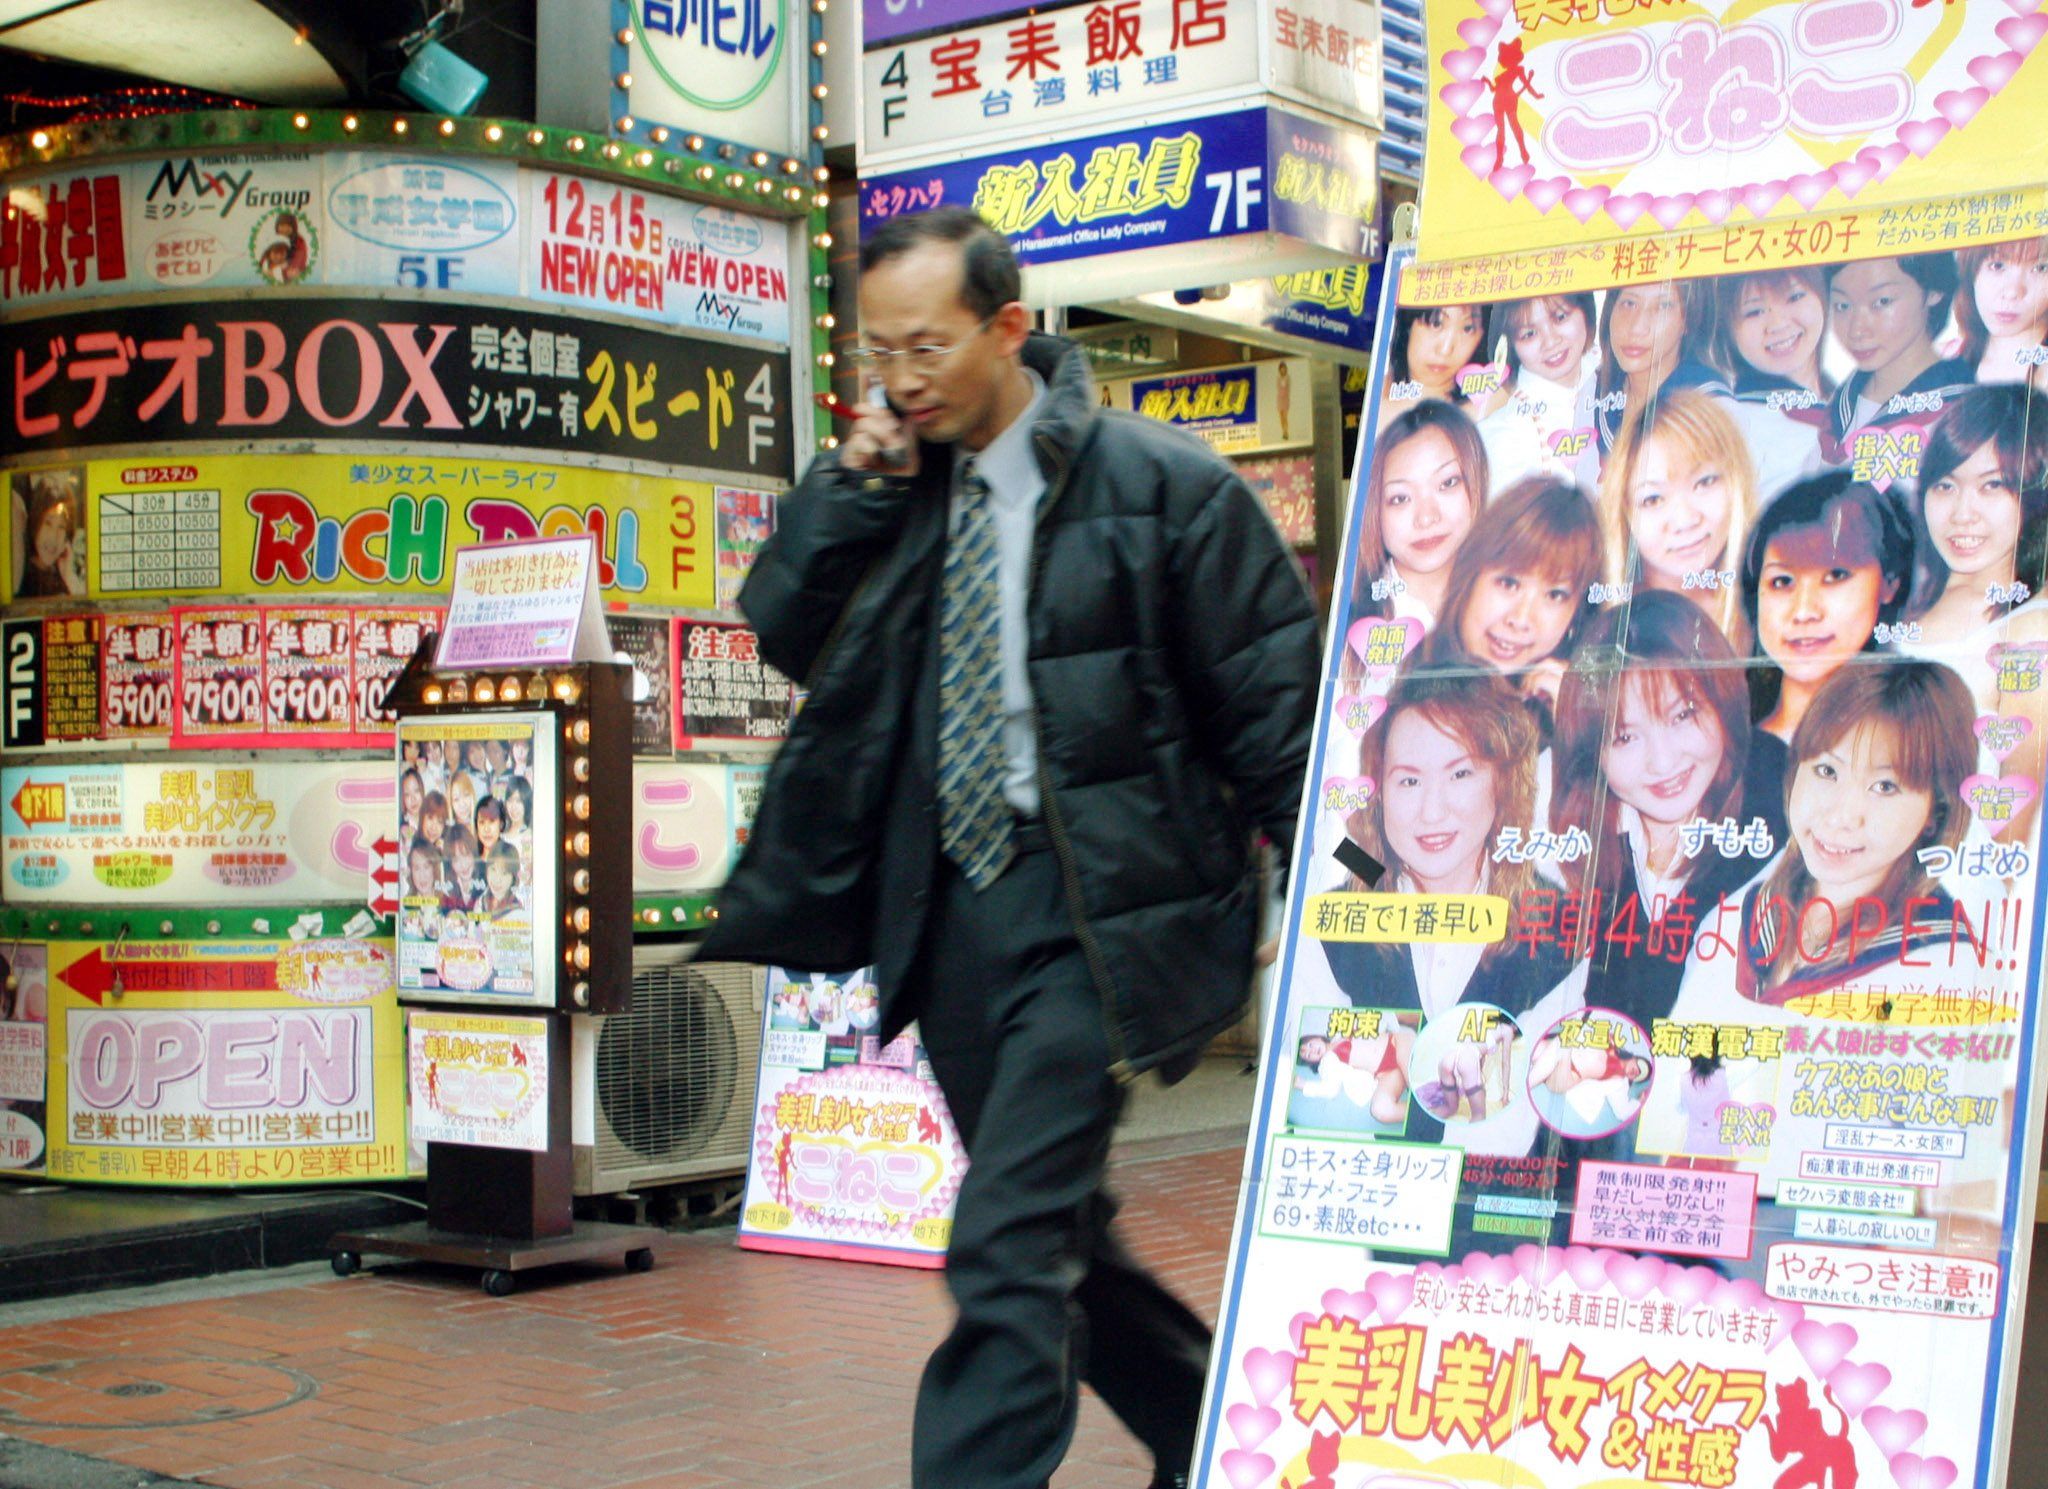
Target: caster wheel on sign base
[641, 1260]
[345, 1263]
[499, 1284]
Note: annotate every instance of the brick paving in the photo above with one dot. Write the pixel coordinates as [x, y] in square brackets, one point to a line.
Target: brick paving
[719, 1368]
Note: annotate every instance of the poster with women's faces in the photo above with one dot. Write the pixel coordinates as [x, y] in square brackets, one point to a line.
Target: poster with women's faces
[1650, 1093]
[477, 853]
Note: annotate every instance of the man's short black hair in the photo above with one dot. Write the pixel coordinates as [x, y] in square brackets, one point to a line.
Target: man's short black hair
[989, 278]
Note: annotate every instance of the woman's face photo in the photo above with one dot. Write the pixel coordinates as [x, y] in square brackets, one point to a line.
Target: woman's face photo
[488, 827]
[515, 810]
[53, 535]
[1814, 607]
[1436, 354]
[1678, 511]
[498, 874]
[1436, 803]
[1551, 337]
[1880, 312]
[1663, 753]
[1779, 325]
[2012, 296]
[411, 794]
[1851, 815]
[1425, 506]
[1514, 620]
[422, 873]
[1645, 330]
[1973, 515]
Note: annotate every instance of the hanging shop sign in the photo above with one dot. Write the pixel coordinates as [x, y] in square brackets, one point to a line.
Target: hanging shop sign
[1718, 1068]
[271, 832]
[372, 221]
[738, 72]
[224, 1063]
[1237, 410]
[1565, 124]
[414, 371]
[1080, 66]
[313, 525]
[1123, 347]
[854, 1153]
[476, 1079]
[1200, 197]
[1316, 309]
[683, 825]
[723, 689]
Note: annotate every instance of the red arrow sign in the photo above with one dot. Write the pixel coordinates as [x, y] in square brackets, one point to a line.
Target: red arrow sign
[92, 976]
[384, 877]
[37, 803]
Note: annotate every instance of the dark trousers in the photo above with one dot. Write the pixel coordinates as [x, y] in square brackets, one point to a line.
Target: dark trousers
[1047, 1297]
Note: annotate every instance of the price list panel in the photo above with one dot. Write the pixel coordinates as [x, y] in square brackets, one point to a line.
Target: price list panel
[159, 540]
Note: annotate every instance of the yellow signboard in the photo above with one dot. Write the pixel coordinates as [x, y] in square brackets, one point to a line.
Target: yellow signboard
[225, 1063]
[317, 524]
[1559, 122]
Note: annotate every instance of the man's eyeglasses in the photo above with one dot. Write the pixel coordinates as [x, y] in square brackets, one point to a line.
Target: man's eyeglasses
[923, 358]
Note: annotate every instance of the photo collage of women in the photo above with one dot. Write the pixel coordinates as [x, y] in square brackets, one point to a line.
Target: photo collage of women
[1671, 901]
[467, 855]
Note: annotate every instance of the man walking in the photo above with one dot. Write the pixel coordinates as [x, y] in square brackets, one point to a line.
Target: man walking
[1059, 667]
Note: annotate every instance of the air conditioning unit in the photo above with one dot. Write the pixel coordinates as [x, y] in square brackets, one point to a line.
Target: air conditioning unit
[665, 1093]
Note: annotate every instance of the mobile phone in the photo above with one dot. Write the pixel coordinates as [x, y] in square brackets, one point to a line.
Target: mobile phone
[899, 453]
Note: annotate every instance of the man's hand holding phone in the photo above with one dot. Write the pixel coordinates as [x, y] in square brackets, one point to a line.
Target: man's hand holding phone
[878, 441]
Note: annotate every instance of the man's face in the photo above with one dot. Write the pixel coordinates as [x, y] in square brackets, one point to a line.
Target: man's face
[915, 300]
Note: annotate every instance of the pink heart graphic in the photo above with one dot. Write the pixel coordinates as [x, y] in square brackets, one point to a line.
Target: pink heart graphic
[1626, 209]
[1995, 72]
[1911, 1471]
[1851, 176]
[1811, 187]
[1538, 1265]
[1583, 201]
[1547, 193]
[1465, 64]
[1922, 135]
[1252, 1425]
[1297, 1325]
[1268, 1372]
[1461, 96]
[1579, 438]
[1634, 1276]
[1996, 800]
[1715, 205]
[1360, 636]
[1246, 1470]
[2000, 735]
[1685, 1286]
[1345, 795]
[2018, 7]
[1671, 210]
[1959, 106]
[1893, 1431]
[1476, 129]
[1479, 31]
[1497, 7]
[1856, 1386]
[1358, 714]
[1789, 1317]
[1823, 1346]
[1391, 1293]
[1763, 196]
[1478, 158]
[1509, 182]
[1588, 1268]
[1340, 1304]
[1739, 1292]
[2023, 32]
[1889, 157]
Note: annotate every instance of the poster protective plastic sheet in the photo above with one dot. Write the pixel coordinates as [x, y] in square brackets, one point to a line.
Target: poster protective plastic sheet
[1650, 1095]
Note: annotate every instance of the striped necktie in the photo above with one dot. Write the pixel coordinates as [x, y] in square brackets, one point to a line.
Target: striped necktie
[976, 825]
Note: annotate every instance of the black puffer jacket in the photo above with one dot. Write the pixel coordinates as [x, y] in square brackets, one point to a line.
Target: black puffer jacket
[1173, 663]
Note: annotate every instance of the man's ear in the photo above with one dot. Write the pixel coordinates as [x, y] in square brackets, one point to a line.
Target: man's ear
[1011, 325]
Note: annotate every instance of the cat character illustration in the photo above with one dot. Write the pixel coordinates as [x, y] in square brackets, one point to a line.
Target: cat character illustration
[1820, 1459]
[1512, 81]
[1323, 1458]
